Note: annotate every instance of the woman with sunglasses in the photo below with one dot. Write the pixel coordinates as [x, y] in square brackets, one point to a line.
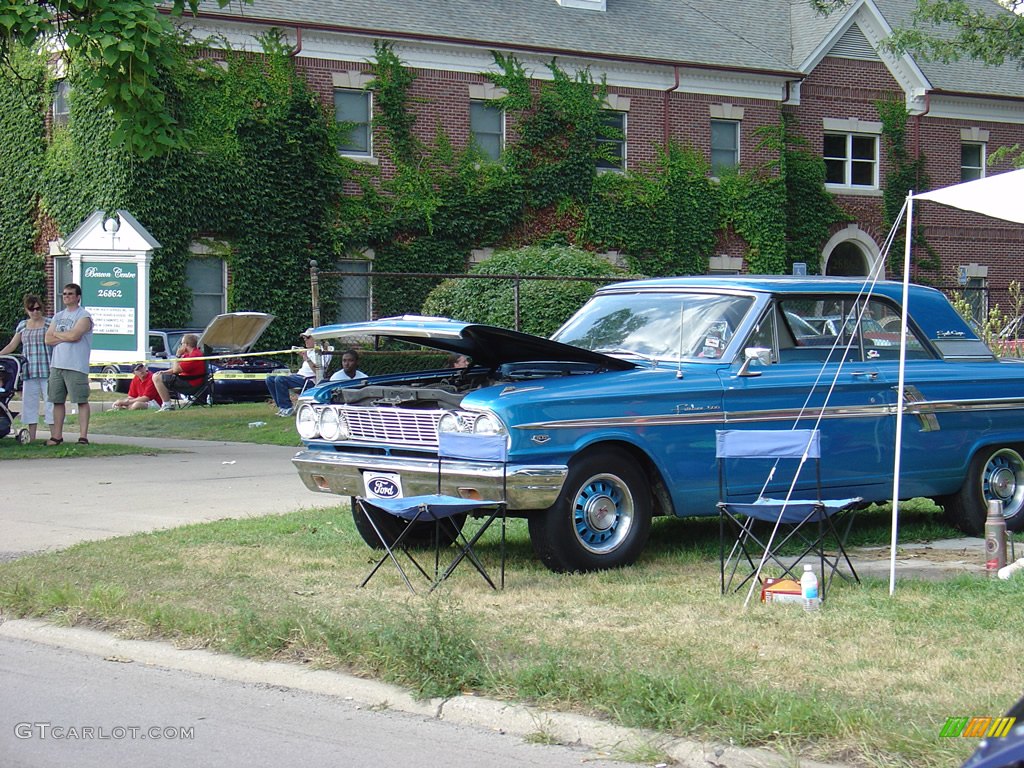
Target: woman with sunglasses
[30, 334]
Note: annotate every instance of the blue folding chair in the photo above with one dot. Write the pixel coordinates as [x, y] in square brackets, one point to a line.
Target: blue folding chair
[445, 512]
[764, 527]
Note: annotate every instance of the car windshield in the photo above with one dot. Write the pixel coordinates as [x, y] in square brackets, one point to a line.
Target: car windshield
[657, 325]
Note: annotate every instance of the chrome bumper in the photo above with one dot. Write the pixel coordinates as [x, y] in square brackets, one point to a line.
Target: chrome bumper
[527, 486]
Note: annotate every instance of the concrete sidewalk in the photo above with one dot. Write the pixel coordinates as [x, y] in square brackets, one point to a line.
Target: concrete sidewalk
[52, 504]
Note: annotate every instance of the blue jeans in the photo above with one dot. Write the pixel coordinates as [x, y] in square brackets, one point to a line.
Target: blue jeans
[279, 386]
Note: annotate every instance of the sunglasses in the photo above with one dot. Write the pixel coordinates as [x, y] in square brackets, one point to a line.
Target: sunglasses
[35, 309]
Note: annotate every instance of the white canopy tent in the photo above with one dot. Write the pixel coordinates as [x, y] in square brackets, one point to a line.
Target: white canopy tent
[998, 196]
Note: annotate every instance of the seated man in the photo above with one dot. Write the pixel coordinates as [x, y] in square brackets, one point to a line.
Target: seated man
[349, 367]
[185, 376]
[314, 362]
[142, 392]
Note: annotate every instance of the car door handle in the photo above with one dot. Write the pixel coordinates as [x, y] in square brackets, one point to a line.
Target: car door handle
[867, 374]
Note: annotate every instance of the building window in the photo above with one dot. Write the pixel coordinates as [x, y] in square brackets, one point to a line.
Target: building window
[352, 110]
[61, 110]
[205, 278]
[612, 141]
[487, 128]
[851, 160]
[972, 161]
[725, 145]
[354, 291]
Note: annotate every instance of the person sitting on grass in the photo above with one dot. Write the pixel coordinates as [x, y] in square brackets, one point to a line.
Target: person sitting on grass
[142, 392]
[185, 376]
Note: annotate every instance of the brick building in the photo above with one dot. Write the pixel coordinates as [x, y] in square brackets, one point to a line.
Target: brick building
[705, 74]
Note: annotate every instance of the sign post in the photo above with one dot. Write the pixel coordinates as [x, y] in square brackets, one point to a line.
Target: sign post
[110, 258]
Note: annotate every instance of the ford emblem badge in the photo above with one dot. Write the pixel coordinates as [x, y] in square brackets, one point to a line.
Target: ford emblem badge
[384, 489]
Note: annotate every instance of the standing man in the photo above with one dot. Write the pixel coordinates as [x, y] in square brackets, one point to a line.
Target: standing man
[314, 363]
[349, 367]
[70, 335]
[185, 376]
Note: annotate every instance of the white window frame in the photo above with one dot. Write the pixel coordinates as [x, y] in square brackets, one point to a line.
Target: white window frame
[735, 150]
[354, 277]
[475, 132]
[349, 151]
[220, 293]
[849, 160]
[61, 109]
[967, 172]
[602, 167]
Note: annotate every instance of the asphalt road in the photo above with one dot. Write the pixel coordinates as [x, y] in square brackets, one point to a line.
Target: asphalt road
[63, 707]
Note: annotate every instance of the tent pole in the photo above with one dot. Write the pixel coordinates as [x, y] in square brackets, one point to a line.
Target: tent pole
[909, 209]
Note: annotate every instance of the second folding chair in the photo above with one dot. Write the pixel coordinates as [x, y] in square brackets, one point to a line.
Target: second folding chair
[446, 513]
[778, 531]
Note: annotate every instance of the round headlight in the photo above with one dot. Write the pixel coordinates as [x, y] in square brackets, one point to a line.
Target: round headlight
[486, 424]
[330, 427]
[449, 422]
[305, 422]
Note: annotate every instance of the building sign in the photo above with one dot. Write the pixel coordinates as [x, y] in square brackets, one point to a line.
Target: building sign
[110, 292]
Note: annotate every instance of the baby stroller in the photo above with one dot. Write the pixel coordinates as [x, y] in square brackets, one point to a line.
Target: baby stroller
[10, 383]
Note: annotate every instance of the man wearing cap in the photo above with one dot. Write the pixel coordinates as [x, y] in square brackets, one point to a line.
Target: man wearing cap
[314, 363]
[142, 392]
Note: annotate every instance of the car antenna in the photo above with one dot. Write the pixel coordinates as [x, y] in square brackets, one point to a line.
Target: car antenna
[679, 353]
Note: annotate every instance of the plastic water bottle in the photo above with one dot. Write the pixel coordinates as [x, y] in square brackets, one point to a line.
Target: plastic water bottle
[809, 589]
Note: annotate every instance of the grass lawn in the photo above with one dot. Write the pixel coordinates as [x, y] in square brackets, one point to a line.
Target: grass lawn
[869, 679]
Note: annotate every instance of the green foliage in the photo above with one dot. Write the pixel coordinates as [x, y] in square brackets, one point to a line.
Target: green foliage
[21, 126]
[391, 85]
[810, 210]
[121, 48]
[543, 304]
[905, 175]
[260, 173]
[665, 220]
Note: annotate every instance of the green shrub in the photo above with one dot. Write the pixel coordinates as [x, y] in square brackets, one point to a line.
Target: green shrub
[543, 304]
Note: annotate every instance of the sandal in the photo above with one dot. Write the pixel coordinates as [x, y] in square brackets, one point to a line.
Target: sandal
[83, 441]
[54, 441]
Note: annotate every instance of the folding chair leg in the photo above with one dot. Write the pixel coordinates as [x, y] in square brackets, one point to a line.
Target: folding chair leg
[389, 549]
[466, 551]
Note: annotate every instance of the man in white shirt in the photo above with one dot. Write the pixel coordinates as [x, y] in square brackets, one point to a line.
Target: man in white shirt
[314, 363]
[349, 367]
[70, 335]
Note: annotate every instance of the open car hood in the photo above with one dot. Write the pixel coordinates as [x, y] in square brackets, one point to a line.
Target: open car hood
[488, 345]
[235, 331]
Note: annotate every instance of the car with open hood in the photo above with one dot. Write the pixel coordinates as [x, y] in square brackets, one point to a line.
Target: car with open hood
[229, 337]
[612, 421]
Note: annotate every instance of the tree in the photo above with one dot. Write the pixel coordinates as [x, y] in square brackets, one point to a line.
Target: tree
[123, 46]
[948, 30]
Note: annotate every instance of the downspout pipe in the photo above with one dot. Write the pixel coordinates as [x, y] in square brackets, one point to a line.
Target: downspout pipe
[666, 130]
[298, 44]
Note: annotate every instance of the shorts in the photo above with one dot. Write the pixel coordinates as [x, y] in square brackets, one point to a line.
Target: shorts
[70, 385]
[182, 386]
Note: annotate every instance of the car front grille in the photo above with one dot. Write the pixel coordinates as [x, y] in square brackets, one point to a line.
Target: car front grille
[394, 426]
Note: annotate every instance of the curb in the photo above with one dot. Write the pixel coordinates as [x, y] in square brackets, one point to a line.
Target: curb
[605, 739]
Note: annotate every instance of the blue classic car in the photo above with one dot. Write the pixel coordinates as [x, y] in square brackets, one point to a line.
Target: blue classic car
[612, 421]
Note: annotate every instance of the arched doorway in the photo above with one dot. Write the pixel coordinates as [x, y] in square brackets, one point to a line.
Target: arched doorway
[851, 252]
[847, 260]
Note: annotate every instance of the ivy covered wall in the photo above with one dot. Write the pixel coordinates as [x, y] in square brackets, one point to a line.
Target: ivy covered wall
[261, 175]
[22, 111]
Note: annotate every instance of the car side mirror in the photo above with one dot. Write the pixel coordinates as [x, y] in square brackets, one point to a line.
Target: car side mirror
[762, 355]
